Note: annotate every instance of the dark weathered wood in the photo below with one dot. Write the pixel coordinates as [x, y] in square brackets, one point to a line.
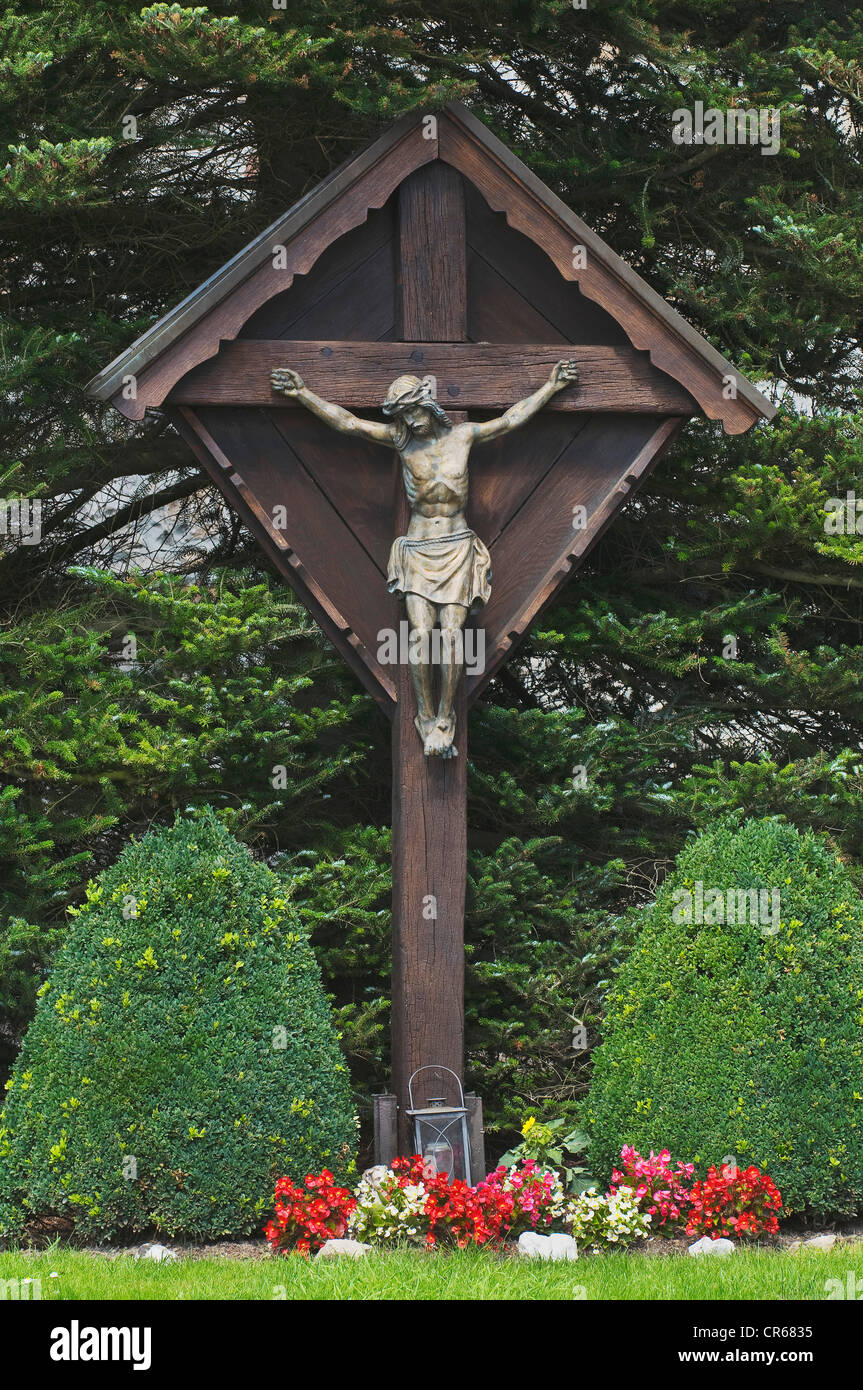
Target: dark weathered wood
[356, 274]
[329, 592]
[536, 554]
[513, 288]
[354, 475]
[432, 265]
[429, 862]
[191, 332]
[362, 306]
[497, 313]
[504, 472]
[429, 846]
[314, 529]
[471, 376]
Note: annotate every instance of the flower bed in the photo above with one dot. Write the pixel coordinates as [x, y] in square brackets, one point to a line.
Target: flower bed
[601, 1222]
[410, 1203]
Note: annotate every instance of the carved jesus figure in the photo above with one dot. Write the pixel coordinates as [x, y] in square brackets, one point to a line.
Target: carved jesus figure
[441, 568]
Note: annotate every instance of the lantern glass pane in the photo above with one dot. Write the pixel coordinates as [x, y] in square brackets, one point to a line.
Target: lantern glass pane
[441, 1139]
[437, 1151]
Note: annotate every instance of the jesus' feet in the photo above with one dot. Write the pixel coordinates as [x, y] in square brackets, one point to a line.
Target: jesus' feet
[438, 734]
[439, 742]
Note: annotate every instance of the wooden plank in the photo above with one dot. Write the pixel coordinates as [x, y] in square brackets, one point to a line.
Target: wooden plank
[472, 376]
[537, 553]
[218, 308]
[429, 867]
[432, 264]
[429, 845]
[354, 475]
[504, 472]
[362, 306]
[276, 546]
[543, 529]
[497, 313]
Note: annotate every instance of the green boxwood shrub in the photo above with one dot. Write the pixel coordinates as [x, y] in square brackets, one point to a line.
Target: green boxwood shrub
[733, 1040]
[182, 1054]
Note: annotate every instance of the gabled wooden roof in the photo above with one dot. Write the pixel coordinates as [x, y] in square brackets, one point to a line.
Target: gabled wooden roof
[192, 332]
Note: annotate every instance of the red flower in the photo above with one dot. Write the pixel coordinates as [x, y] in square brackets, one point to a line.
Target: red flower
[308, 1216]
[728, 1200]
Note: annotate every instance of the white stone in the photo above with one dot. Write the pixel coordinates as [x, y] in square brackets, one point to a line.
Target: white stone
[706, 1246]
[529, 1243]
[563, 1247]
[157, 1253]
[553, 1247]
[332, 1248]
[375, 1176]
[825, 1242]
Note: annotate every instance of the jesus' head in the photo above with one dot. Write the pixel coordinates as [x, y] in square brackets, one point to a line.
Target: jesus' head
[411, 401]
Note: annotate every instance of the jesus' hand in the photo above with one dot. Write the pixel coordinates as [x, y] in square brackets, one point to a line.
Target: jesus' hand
[286, 381]
[564, 373]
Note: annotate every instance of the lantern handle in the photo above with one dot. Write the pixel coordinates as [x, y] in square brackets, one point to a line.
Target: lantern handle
[431, 1067]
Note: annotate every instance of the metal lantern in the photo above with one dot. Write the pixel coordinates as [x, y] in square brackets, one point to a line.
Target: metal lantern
[440, 1126]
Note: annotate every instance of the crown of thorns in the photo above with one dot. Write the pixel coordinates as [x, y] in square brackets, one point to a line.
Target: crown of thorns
[406, 391]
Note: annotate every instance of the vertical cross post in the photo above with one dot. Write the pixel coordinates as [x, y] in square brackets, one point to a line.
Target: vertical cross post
[429, 845]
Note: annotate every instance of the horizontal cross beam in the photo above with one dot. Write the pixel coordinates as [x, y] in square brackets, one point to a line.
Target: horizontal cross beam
[470, 376]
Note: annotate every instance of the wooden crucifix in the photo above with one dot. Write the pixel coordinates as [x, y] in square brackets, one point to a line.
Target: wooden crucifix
[440, 568]
[433, 259]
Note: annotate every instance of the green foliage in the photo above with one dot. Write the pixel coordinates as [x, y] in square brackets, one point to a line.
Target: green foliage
[49, 173]
[97, 744]
[551, 1147]
[182, 1054]
[731, 1040]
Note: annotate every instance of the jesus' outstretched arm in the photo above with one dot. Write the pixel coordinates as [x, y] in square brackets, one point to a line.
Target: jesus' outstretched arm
[290, 383]
[563, 374]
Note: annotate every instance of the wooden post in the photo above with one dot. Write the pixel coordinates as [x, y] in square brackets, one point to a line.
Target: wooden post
[476, 1136]
[429, 849]
[429, 869]
[386, 1135]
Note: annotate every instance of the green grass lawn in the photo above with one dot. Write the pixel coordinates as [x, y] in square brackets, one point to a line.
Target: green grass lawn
[462, 1275]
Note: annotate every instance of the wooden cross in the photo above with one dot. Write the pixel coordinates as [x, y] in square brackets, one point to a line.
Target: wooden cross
[432, 282]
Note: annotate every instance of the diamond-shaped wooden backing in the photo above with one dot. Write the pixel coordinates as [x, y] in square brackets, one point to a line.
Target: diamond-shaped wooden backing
[332, 539]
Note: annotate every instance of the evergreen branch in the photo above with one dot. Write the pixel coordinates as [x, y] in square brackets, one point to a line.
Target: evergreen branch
[803, 577]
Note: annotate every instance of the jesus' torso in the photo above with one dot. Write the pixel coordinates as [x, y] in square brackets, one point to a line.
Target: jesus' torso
[435, 475]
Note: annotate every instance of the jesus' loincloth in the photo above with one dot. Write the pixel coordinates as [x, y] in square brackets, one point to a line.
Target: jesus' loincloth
[442, 569]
